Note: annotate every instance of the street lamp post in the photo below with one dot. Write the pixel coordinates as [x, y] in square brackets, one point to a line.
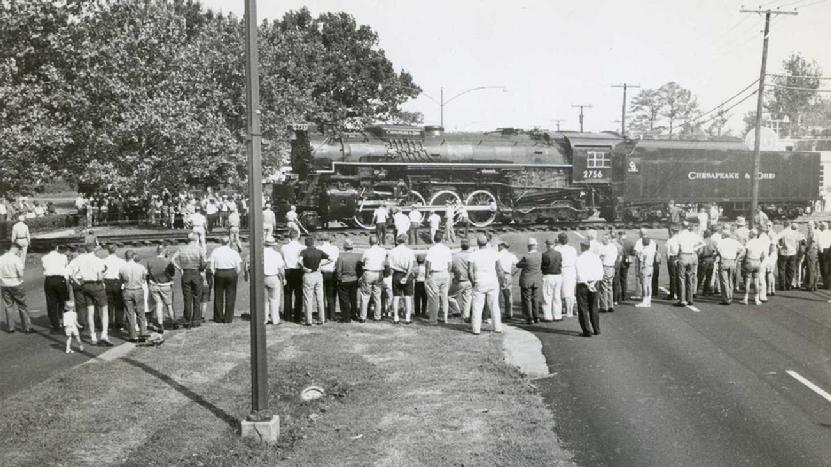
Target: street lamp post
[441, 102]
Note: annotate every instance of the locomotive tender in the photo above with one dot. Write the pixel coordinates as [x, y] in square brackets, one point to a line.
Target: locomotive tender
[511, 175]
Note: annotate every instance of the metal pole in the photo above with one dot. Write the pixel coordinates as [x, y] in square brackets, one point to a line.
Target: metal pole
[623, 114]
[259, 371]
[441, 98]
[754, 196]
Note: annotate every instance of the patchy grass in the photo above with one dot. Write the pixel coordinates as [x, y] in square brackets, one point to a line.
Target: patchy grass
[403, 395]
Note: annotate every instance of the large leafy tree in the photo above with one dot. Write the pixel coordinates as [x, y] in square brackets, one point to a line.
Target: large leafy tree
[663, 111]
[679, 107]
[794, 94]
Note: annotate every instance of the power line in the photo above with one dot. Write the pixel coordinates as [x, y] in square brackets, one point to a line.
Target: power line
[728, 100]
[795, 88]
[724, 111]
[799, 77]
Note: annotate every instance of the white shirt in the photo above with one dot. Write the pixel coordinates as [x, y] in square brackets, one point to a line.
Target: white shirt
[703, 218]
[439, 256]
[272, 262]
[484, 263]
[823, 238]
[374, 258]
[595, 247]
[415, 216]
[88, 267]
[291, 254]
[54, 264]
[225, 257]
[755, 248]
[211, 208]
[450, 214]
[291, 216]
[507, 261]
[569, 255]
[402, 222]
[672, 246]
[11, 270]
[434, 220]
[402, 258]
[197, 220]
[114, 264]
[268, 217]
[688, 242]
[20, 231]
[333, 252]
[381, 215]
[589, 267]
[646, 254]
[608, 255]
[728, 248]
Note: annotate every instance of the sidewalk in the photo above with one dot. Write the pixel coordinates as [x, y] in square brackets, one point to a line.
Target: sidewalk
[395, 395]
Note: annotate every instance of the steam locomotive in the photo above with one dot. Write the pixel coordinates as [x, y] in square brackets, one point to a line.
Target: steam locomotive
[518, 176]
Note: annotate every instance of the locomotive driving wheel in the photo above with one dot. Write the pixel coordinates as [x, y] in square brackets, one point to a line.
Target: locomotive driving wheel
[481, 208]
[439, 201]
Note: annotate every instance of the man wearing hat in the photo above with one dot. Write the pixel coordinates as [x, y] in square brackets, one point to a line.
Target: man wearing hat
[530, 281]
[347, 271]
[552, 283]
[507, 264]
[274, 276]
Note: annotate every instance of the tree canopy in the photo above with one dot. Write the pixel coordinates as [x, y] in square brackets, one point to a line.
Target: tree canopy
[663, 111]
[150, 93]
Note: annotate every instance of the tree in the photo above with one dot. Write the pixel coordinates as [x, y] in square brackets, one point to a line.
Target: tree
[646, 108]
[783, 100]
[678, 105]
[719, 120]
[660, 111]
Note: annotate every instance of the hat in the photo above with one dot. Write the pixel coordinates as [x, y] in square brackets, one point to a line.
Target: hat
[532, 241]
[740, 221]
[347, 244]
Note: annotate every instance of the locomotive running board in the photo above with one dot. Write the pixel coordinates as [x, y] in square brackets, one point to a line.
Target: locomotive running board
[433, 165]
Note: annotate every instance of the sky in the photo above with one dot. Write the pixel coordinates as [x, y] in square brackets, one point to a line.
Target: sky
[552, 54]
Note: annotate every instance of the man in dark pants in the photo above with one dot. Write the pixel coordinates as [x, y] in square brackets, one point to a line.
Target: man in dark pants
[589, 272]
[347, 271]
[622, 274]
[54, 284]
[530, 281]
[190, 261]
[226, 264]
[112, 286]
[330, 284]
[294, 278]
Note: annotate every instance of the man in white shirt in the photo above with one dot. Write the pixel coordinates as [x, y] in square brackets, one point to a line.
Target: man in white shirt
[225, 264]
[728, 250]
[703, 220]
[293, 221]
[485, 273]
[330, 283]
[89, 274]
[113, 287]
[688, 245]
[379, 217]
[789, 239]
[374, 261]
[415, 222]
[234, 226]
[11, 289]
[672, 263]
[589, 271]
[402, 262]
[755, 251]
[823, 239]
[21, 237]
[595, 245]
[569, 256]
[449, 221]
[608, 256]
[212, 213]
[54, 284]
[507, 265]
[401, 223]
[645, 250]
[435, 223]
[438, 263]
[293, 299]
[274, 277]
[269, 221]
[198, 222]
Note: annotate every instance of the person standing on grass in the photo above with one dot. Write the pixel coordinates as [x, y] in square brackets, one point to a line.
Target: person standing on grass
[190, 261]
[645, 249]
[552, 283]
[347, 272]
[728, 251]
[461, 280]
[160, 274]
[225, 264]
[198, 224]
[90, 274]
[133, 276]
[755, 251]
[438, 264]
[608, 256]
[486, 275]
[420, 294]
[311, 259]
[379, 218]
[269, 221]
[112, 285]
[11, 288]
[293, 291]
[589, 271]
[507, 264]
[402, 262]
[568, 254]
[54, 284]
[330, 284]
[234, 226]
[21, 237]
[435, 224]
[415, 223]
[274, 277]
[374, 260]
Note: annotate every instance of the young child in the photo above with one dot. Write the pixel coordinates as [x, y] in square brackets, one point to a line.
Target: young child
[70, 326]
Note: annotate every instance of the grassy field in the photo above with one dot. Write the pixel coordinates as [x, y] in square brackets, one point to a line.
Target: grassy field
[403, 395]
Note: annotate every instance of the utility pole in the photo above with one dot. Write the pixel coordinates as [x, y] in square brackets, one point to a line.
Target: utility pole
[557, 122]
[581, 106]
[441, 104]
[260, 423]
[625, 86]
[754, 197]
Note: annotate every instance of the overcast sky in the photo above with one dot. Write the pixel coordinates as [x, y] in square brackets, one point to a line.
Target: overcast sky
[551, 54]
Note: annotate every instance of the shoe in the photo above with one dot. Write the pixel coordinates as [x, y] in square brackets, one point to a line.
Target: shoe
[612, 310]
[361, 320]
[596, 333]
[70, 351]
[744, 302]
[723, 303]
[557, 320]
[466, 320]
[104, 342]
[307, 324]
[586, 334]
[408, 322]
[641, 305]
[757, 302]
[93, 341]
[475, 333]
[29, 331]
[536, 321]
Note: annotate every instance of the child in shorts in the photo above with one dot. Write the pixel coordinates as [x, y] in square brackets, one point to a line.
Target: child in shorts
[70, 326]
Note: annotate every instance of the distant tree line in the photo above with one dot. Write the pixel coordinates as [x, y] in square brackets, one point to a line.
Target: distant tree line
[151, 93]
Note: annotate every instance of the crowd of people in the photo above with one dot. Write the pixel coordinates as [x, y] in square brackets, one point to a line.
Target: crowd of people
[14, 208]
[317, 281]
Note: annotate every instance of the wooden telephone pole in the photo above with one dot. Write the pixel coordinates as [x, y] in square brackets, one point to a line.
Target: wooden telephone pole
[581, 106]
[625, 86]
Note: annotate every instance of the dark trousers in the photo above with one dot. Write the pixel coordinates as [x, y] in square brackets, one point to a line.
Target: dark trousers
[192, 295]
[80, 306]
[115, 302]
[225, 294]
[587, 312]
[54, 287]
[787, 271]
[619, 282]
[381, 233]
[293, 289]
[530, 302]
[705, 275]
[656, 272]
[420, 299]
[825, 268]
[348, 298]
[212, 219]
[413, 233]
[330, 294]
[672, 270]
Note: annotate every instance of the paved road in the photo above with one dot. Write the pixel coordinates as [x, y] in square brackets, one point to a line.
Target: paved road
[672, 386]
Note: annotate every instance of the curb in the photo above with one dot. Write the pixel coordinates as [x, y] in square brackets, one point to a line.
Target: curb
[523, 350]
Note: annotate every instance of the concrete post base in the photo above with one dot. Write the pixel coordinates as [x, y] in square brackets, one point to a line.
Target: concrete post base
[265, 432]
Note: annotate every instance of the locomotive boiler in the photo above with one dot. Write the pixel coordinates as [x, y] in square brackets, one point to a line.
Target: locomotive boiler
[506, 175]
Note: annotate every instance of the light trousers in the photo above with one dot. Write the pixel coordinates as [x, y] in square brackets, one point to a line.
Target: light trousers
[552, 300]
[313, 296]
[485, 294]
[273, 287]
[569, 289]
[438, 284]
[605, 290]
